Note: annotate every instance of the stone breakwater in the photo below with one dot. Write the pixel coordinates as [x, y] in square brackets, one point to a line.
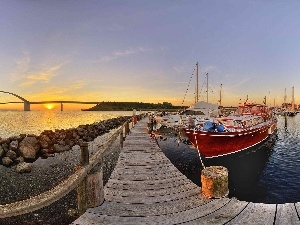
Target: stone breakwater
[22, 150]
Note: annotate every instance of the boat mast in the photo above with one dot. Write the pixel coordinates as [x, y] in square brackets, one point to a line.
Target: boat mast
[293, 98]
[197, 90]
[284, 98]
[207, 87]
[221, 95]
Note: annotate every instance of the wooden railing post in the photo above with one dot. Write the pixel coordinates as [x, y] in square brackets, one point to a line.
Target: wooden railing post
[127, 130]
[84, 159]
[121, 138]
[90, 192]
[81, 189]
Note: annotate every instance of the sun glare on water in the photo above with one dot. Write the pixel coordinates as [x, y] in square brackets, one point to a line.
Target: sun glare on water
[49, 106]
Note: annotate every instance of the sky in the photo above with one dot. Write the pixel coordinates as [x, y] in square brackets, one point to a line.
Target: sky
[146, 51]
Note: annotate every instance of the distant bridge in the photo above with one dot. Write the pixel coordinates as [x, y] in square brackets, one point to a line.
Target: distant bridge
[28, 103]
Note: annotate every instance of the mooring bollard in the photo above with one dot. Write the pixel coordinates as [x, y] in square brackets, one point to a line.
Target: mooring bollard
[214, 180]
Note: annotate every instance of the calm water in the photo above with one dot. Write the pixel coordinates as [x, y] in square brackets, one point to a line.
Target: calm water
[269, 173]
[34, 122]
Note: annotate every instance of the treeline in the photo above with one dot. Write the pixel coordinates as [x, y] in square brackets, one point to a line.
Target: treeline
[128, 106]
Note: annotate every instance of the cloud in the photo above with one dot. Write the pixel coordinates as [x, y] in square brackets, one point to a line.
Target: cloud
[60, 92]
[43, 76]
[26, 74]
[22, 66]
[117, 54]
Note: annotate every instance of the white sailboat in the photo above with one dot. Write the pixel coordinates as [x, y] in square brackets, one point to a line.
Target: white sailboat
[290, 111]
[198, 113]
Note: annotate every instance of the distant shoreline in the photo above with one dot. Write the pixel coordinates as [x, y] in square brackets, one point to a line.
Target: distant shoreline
[129, 106]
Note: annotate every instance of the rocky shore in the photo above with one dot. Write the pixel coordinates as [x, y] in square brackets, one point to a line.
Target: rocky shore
[46, 160]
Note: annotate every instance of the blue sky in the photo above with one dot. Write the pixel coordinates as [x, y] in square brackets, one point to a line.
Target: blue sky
[146, 51]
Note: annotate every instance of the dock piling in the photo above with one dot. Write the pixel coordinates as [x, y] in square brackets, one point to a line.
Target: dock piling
[214, 180]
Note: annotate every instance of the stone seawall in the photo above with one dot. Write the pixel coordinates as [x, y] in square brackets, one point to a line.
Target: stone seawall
[22, 150]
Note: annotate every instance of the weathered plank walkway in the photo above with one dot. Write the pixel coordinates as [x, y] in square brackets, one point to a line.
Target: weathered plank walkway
[145, 188]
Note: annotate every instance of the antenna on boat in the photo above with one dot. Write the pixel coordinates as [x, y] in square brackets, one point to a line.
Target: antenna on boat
[197, 88]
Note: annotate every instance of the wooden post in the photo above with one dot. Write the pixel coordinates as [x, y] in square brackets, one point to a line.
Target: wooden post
[127, 130]
[94, 189]
[214, 180]
[81, 197]
[84, 159]
[121, 138]
[81, 189]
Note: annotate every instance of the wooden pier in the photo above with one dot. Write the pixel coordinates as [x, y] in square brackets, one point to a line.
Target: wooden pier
[145, 188]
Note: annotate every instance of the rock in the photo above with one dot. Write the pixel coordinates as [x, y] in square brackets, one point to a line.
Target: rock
[61, 148]
[11, 154]
[5, 147]
[2, 152]
[44, 141]
[19, 159]
[14, 145]
[24, 167]
[6, 161]
[4, 140]
[29, 146]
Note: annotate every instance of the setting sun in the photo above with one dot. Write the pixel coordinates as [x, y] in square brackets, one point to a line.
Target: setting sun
[49, 106]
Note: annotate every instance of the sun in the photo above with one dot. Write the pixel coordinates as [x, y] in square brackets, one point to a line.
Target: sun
[49, 106]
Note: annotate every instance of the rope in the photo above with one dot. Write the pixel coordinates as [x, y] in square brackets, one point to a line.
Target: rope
[203, 166]
[188, 86]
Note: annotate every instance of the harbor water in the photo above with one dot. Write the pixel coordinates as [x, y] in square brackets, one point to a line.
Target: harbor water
[269, 173]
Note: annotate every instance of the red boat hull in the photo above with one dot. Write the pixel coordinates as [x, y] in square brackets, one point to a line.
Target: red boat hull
[214, 144]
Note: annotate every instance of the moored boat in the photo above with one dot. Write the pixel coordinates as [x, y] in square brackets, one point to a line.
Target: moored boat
[249, 126]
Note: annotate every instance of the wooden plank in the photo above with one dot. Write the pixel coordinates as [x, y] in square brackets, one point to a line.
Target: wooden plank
[256, 213]
[191, 214]
[223, 214]
[286, 214]
[297, 205]
[160, 208]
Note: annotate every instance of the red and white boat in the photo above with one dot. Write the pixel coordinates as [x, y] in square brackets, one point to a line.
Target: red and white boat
[251, 124]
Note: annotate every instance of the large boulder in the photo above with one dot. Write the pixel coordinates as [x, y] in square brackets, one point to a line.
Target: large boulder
[28, 147]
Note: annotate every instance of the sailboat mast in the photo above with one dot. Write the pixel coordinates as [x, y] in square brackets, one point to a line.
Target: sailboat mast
[293, 98]
[284, 97]
[221, 95]
[207, 87]
[197, 90]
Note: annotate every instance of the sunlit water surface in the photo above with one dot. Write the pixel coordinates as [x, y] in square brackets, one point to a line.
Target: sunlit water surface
[34, 122]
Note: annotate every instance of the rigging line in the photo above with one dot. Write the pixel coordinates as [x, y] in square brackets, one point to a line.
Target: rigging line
[188, 86]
